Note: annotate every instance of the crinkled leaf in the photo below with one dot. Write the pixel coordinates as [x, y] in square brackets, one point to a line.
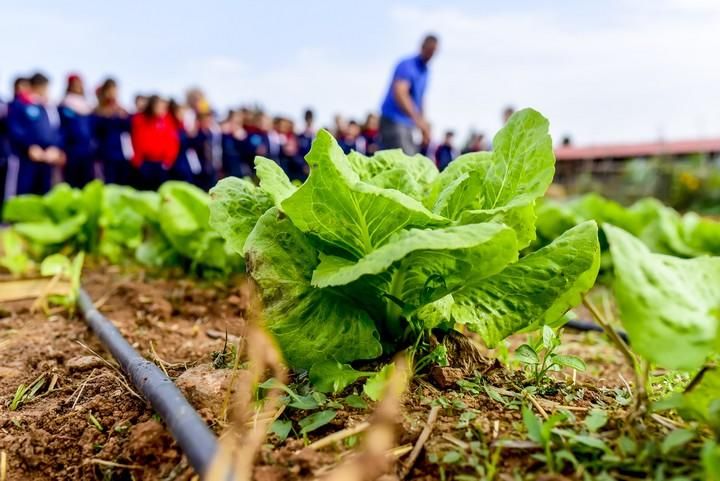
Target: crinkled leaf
[434, 314]
[523, 163]
[447, 182]
[459, 195]
[669, 306]
[474, 245]
[310, 324]
[273, 180]
[236, 205]
[344, 213]
[393, 169]
[538, 289]
[519, 218]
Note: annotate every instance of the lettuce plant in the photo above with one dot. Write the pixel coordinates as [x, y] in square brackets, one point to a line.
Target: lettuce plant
[372, 252]
[669, 306]
[661, 228]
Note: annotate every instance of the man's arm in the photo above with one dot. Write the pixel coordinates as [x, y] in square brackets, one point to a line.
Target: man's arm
[401, 93]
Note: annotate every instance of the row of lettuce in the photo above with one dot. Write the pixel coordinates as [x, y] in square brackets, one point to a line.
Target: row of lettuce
[661, 228]
[371, 254]
[164, 229]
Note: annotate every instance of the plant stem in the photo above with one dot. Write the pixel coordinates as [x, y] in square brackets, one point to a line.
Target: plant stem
[640, 391]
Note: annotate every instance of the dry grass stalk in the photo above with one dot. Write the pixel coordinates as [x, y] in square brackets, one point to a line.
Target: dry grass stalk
[374, 458]
[424, 435]
[239, 446]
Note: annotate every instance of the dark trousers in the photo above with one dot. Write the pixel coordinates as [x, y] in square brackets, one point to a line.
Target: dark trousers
[150, 176]
[79, 170]
[32, 177]
[116, 171]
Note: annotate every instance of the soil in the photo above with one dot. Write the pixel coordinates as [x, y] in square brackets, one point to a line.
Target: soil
[91, 425]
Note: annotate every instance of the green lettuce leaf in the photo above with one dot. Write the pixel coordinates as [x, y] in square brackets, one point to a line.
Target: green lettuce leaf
[310, 324]
[235, 207]
[538, 289]
[701, 234]
[273, 180]
[24, 208]
[669, 306]
[478, 245]
[344, 213]
[332, 376]
[464, 165]
[523, 163]
[47, 232]
[701, 400]
[393, 169]
[500, 186]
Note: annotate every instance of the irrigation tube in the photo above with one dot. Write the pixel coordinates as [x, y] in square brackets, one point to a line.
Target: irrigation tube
[189, 430]
[580, 325]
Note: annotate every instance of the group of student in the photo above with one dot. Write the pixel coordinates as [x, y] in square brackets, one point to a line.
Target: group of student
[77, 141]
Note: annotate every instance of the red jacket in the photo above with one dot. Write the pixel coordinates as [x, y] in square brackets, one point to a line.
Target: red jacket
[154, 139]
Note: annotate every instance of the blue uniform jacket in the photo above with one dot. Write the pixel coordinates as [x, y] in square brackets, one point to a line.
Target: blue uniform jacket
[109, 132]
[4, 140]
[32, 124]
[232, 157]
[444, 155]
[77, 132]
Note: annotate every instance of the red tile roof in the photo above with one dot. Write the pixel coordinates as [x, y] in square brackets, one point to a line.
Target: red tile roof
[629, 151]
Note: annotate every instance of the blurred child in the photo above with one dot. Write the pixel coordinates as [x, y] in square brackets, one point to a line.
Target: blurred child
[156, 144]
[141, 102]
[35, 140]
[445, 152]
[307, 135]
[475, 143]
[351, 139]
[187, 166]
[290, 159]
[77, 131]
[112, 135]
[371, 134]
[340, 126]
[232, 136]
[204, 143]
[258, 140]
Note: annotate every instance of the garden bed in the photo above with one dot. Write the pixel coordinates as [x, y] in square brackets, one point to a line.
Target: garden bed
[92, 426]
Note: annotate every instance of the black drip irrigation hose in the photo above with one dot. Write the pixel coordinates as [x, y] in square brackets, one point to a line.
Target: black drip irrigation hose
[188, 429]
[191, 433]
[580, 325]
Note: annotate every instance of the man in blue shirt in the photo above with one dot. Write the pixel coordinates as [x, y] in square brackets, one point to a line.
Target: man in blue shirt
[402, 109]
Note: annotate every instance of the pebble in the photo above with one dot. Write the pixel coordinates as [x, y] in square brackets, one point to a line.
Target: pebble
[84, 363]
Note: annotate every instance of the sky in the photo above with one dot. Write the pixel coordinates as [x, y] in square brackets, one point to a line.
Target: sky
[602, 71]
